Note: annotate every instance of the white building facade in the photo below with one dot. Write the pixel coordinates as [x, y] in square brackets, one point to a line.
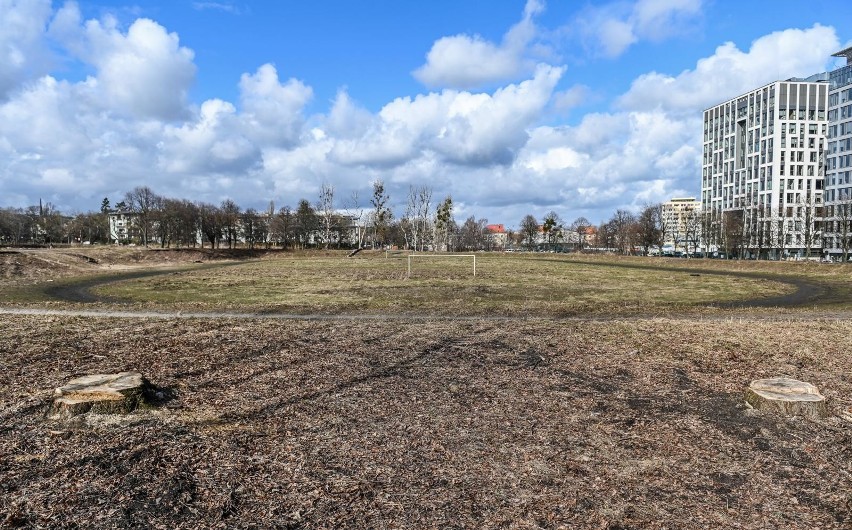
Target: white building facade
[763, 168]
[122, 226]
[837, 231]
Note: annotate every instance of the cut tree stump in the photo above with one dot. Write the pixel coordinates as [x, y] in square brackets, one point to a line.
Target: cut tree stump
[787, 396]
[99, 393]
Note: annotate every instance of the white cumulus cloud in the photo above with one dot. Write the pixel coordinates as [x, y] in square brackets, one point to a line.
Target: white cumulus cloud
[610, 29]
[731, 71]
[23, 51]
[469, 61]
[456, 126]
[272, 111]
[211, 143]
[143, 72]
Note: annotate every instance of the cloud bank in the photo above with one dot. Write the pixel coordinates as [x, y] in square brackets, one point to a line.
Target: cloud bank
[75, 142]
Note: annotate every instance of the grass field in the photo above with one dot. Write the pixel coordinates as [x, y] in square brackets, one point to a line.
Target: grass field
[505, 284]
[533, 422]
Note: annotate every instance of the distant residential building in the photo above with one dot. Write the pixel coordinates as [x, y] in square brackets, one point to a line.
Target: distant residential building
[586, 236]
[123, 226]
[763, 168]
[498, 236]
[681, 217]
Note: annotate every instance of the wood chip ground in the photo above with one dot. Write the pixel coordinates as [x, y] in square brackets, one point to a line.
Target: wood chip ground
[517, 424]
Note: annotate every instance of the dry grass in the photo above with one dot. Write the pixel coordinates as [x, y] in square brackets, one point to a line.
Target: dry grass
[530, 424]
[504, 285]
[398, 423]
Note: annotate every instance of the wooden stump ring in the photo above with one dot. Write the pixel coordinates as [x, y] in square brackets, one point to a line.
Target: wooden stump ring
[787, 396]
[98, 393]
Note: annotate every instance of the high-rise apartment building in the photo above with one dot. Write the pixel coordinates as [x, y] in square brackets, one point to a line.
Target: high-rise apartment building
[837, 226]
[683, 225]
[762, 168]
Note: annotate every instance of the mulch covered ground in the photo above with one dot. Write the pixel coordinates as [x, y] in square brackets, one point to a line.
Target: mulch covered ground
[517, 424]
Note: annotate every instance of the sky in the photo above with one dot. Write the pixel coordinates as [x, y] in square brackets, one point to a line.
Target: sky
[511, 107]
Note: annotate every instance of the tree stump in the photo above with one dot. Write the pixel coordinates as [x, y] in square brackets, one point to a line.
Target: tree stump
[98, 393]
[787, 396]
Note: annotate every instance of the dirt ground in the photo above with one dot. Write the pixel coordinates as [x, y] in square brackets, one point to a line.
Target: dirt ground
[427, 424]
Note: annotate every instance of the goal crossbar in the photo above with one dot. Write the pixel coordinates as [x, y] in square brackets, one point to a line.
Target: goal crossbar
[441, 256]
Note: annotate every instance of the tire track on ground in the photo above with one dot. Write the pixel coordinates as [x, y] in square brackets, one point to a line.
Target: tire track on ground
[806, 291]
[80, 291]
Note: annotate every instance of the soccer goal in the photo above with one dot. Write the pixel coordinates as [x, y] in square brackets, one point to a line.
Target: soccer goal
[440, 256]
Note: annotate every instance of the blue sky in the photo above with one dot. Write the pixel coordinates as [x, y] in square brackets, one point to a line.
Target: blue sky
[509, 107]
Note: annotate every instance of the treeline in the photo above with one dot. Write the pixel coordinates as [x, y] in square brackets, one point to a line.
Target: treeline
[148, 218]
[328, 222]
[151, 219]
[625, 232]
[629, 233]
[45, 225]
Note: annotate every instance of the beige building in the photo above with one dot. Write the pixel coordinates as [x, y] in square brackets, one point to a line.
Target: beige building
[681, 216]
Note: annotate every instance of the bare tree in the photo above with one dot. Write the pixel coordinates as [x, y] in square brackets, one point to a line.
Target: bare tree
[528, 230]
[732, 232]
[842, 217]
[354, 212]
[250, 226]
[415, 221]
[325, 211]
[281, 226]
[83, 227]
[512, 237]
[581, 225]
[15, 226]
[187, 223]
[165, 219]
[408, 224]
[230, 213]
[666, 227]
[648, 228]
[691, 229]
[710, 236]
[43, 224]
[423, 214]
[762, 229]
[142, 201]
[809, 214]
[623, 223]
[605, 237]
[473, 234]
[210, 218]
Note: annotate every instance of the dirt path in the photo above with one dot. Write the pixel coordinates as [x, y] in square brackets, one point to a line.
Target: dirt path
[807, 292]
[80, 291]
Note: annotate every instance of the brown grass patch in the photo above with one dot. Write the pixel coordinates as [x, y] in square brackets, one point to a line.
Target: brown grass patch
[428, 424]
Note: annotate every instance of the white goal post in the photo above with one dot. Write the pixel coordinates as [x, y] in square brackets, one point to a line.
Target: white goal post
[441, 256]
